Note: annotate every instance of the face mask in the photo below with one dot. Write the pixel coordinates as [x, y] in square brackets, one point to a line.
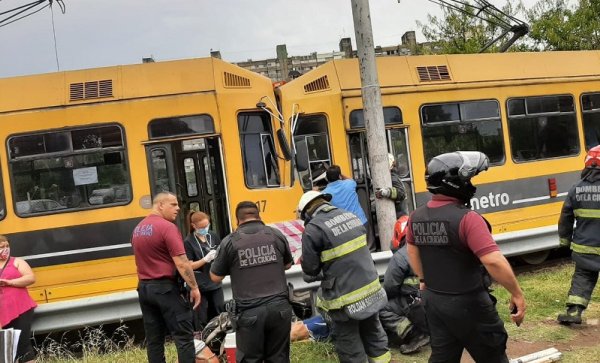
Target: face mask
[5, 253]
[203, 231]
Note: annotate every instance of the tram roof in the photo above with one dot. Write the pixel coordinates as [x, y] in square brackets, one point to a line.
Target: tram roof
[126, 82]
[395, 71]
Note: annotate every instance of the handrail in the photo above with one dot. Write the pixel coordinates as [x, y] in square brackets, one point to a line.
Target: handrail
[123, 306]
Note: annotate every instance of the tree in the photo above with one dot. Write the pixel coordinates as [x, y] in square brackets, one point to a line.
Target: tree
[461, 31]
[557, 26]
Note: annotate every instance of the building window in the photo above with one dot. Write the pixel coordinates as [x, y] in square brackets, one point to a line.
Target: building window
[590, 104]
[180, 126]
[68, 170]
[261, 169]
[466, 126]
[311, 141]
[542, 127]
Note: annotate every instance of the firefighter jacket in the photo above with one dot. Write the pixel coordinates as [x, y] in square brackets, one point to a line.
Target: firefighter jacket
[449, 266]
[334, 243]
[582, 206]
[399, 279]
[398, 194]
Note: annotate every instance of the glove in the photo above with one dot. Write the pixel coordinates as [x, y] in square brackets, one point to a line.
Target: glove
[210, 256]
[383, 193]
[565, 242]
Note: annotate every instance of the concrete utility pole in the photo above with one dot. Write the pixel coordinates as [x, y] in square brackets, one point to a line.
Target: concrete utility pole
[374, 124]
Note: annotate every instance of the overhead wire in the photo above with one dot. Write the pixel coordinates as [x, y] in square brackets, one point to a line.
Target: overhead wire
[63, 9]
[26, 10]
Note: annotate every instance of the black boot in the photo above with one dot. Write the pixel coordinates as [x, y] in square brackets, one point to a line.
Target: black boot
[572, 315]
[414, 343]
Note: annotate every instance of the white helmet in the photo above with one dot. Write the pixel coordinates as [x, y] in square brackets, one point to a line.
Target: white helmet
[308, 197]
[391, 161]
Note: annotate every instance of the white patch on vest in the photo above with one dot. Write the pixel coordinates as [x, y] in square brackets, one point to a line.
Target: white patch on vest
[431, 233]
[343, 223]
[256, 256]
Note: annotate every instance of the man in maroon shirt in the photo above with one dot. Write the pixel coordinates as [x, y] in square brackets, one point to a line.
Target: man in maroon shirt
[159, 253]
[447, 245]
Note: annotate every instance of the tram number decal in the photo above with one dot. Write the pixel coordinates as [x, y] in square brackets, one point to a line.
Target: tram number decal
[261, 204]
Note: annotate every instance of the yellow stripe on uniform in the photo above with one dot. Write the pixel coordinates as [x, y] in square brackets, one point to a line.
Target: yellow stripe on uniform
[384, 358]
[587, 213]
[577, 300]
[350, 297]
[588, 250]
[344, 249]
[413, 280]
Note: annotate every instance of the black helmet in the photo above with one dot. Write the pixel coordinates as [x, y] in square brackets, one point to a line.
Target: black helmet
[450, 174]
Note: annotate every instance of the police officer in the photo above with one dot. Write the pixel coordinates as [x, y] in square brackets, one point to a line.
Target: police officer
[256, 256]
[158, 250]
[582, 206]
[447, 245]
[403, 317]
[334, 249]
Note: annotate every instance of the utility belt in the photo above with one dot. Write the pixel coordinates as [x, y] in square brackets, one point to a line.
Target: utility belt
[162, 280]
[474, 291]
[234, 309]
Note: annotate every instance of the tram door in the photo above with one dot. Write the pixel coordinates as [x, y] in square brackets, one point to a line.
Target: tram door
[193, 170]
[397, 143]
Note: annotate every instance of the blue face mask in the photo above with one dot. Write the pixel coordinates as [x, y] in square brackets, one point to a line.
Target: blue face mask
[203, 231]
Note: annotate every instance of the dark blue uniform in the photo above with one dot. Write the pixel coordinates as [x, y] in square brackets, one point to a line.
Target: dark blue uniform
[255, 256]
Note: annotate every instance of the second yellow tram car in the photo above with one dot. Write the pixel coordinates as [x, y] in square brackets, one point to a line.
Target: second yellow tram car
[533, 114]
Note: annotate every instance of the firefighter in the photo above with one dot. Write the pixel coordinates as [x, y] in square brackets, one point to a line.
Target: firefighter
[403, 318]
[582, 206]
[447, 245]
[397, 192]
[334, 248]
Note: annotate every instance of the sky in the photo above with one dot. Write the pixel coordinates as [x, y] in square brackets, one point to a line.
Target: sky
[98, 33]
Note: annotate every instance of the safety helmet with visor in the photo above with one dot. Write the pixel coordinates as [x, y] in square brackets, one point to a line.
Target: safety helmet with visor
[450, 173]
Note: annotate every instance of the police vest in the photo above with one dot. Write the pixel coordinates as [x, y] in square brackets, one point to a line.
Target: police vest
[448, 265]
[349, 273]
[258, 270]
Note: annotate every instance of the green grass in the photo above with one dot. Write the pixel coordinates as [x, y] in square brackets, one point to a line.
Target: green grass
[545, 293]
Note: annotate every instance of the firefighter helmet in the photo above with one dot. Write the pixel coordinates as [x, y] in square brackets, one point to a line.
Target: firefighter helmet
[308, 197]
[592, 159]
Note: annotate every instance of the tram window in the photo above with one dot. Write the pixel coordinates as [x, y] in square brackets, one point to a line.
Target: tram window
[181, 125]
[208, 174]
[160, 172]
[258, 150]
[590, 104]
[311, 140]
[77, 169]
[190, 177]
[542, 127]
[391, 116]
[470, 125]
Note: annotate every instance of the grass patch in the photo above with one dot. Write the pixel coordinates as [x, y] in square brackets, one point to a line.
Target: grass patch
[588, 354]
[313, 352]
[545, 293]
